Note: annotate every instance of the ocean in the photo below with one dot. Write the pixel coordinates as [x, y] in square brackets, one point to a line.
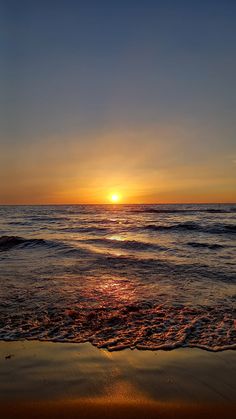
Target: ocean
[119, 276]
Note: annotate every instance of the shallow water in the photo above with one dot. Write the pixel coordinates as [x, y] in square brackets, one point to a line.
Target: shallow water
[149, 276]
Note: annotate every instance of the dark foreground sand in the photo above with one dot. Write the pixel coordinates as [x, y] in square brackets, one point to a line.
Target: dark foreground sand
[53, 380]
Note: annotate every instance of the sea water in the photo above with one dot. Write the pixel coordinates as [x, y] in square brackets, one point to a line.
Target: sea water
[118, 276]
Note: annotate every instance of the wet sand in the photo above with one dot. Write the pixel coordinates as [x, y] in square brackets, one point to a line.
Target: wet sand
[58, 380]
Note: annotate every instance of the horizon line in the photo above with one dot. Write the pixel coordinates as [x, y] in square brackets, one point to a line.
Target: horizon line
[120, 204]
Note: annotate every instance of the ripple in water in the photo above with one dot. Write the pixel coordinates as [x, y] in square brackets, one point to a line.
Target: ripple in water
[146, 277]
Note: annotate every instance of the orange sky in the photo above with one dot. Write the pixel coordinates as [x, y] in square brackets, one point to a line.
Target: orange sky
[144, 165]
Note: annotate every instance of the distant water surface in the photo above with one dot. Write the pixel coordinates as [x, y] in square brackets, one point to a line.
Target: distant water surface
[144, 276]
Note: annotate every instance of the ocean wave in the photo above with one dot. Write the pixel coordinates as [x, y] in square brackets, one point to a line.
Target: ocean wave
[184, 211]
[126, 244]
[230, 227]
[47, 219]
[193, 226]
[10, 242]
[163, 268]
[61, 248]
[107, 221]
[189, 226]
[212, 246]
[140, 325]
[85, 229]
[20, 223]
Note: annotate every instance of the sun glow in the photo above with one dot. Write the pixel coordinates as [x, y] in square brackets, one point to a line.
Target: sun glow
[114, 197]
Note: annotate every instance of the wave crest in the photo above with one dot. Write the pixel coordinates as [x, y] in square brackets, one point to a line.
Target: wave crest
[9, 242]
[193, 226]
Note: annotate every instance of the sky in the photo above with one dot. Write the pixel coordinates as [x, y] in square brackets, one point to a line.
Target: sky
[130, 97]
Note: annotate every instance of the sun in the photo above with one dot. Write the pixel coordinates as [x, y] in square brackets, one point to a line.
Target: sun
[114, 197]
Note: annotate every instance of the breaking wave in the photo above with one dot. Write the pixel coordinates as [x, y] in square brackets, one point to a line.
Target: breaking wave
[10, 242]
[142, 326]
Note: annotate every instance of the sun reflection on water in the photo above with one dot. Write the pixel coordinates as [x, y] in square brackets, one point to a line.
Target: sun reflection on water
[117, 289]
[116, 237]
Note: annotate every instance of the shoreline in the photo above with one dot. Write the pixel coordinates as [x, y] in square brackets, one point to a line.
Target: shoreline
[50, 379]
[121, 348]
[162, 348]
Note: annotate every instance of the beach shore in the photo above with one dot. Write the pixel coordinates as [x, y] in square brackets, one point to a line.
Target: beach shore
[60, 380]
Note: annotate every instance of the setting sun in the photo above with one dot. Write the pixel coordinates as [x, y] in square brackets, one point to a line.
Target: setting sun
[115, 197]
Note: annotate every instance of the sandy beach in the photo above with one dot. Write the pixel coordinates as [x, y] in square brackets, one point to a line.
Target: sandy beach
[42, 380]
